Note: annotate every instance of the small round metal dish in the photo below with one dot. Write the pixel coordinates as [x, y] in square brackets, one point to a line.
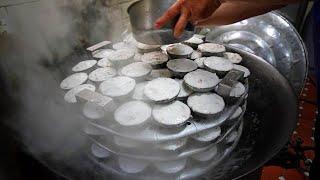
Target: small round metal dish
[273, 38]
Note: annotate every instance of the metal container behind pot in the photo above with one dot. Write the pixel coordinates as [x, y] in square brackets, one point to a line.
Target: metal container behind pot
[144, 13]
[271, 37]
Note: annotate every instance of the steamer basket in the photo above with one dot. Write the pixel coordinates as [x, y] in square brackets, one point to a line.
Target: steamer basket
[151, 134]
[215, 169]
[271, 108]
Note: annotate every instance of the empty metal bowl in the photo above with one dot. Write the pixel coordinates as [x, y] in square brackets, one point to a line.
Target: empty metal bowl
[143, 15]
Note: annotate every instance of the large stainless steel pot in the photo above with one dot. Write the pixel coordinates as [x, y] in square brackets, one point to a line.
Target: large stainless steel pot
[40, 116]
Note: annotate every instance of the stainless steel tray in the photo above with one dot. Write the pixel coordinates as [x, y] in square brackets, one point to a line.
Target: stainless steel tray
[273, 38]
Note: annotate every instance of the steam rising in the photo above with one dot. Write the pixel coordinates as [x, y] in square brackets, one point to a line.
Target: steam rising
[45, 43]
[44, 33]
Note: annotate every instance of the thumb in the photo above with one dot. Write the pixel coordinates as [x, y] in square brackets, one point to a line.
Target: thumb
[231, 12]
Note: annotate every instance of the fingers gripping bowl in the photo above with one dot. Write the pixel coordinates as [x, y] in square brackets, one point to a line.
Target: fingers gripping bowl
[144, 13]
[159, 114]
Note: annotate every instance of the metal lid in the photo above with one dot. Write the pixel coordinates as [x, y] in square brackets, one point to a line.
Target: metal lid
[271, 37]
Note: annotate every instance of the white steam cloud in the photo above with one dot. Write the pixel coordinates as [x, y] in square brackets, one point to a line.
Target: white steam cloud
[43, 33]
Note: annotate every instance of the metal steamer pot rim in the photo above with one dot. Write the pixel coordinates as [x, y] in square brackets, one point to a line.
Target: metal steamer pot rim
[273, 99]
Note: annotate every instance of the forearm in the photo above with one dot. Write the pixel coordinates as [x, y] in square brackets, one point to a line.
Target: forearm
[267, 2]
[217, 12]
[231, 12]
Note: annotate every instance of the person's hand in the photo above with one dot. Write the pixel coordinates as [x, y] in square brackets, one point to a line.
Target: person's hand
[189, 10]
[215, 12]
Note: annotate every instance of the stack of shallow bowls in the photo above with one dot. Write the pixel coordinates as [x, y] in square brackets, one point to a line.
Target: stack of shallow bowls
[159, 109]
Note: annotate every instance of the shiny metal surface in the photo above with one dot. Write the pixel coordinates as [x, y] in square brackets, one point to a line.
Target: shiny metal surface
[268, 123]
[271, 37]
[144, 13]
[271, 117]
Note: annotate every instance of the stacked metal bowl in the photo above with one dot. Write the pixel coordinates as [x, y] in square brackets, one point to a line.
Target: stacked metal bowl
[160, 111]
